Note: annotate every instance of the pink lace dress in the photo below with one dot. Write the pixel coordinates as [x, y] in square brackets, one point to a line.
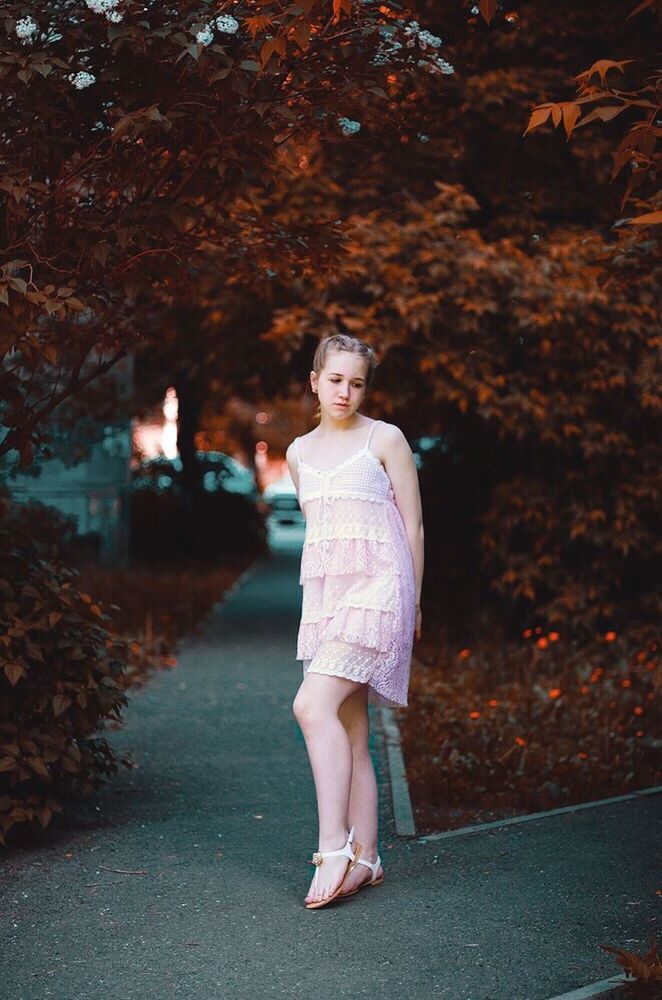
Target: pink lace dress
[357, 574]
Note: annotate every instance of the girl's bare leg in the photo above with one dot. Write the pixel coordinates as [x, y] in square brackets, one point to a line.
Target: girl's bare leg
[363, 812]
[316, 707]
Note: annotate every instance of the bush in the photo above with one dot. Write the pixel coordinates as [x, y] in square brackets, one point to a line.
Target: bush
[62, 672]
[216, 524]
[503, 728]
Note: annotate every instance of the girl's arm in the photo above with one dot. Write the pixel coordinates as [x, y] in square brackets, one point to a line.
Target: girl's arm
[398, 460]
[292, 465]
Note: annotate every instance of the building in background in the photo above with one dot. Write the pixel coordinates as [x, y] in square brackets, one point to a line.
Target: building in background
[95, 491]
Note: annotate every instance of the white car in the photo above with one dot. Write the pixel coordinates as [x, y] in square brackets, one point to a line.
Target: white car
[282, 506]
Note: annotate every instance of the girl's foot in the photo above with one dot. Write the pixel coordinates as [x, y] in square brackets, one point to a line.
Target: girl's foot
[332, 872]
[329, 876]
[360, 875]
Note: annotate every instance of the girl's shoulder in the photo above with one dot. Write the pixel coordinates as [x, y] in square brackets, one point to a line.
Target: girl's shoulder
[386, 432]
[313, 435]
[306, 436]
[389, 444]
[386, 426]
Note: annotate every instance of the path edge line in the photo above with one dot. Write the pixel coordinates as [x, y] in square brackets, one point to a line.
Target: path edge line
[240, 582]
[596, 989]
[512, 820]
[403, 813]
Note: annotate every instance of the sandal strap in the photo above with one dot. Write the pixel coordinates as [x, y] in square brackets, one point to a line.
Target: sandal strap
[346, 851]
[373, 866]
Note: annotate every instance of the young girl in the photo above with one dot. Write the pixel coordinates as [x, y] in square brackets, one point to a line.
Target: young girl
[361, 571]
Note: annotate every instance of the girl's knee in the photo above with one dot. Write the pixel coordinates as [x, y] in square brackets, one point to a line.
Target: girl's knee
[308, 710]
[297, 705]
[301, 707]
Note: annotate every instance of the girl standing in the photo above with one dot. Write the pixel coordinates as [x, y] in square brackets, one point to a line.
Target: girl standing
[361, 572]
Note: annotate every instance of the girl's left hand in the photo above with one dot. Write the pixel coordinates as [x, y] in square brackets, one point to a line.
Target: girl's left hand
[417, 625]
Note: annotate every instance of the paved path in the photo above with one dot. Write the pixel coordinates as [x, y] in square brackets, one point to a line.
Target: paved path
[221, 817]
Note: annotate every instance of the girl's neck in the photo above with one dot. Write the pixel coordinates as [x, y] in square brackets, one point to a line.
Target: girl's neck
[331, 426]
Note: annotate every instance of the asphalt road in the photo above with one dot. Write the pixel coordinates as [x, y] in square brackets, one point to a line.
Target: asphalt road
[213, 833]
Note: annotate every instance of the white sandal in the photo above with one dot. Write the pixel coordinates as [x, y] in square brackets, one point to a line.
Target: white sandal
[318, 858]
[373, 880]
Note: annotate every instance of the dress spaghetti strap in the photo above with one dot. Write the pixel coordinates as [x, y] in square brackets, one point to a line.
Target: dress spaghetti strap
[374, 424]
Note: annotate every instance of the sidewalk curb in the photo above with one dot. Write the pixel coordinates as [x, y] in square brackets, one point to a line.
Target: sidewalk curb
[559, 811]
[242, 579]
[595, 989]
[402, 808]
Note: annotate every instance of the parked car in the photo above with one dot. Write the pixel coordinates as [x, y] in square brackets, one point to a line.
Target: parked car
[281, 504]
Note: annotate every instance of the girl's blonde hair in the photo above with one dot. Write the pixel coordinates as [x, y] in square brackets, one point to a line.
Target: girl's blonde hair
[343, 342]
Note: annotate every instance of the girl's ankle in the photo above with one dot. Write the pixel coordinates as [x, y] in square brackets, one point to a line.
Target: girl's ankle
[333, 843]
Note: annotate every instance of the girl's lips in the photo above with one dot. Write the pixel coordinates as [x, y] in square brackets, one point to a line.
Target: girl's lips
[343, 405]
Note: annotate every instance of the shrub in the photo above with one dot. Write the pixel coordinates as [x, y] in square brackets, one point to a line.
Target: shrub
[62, 672]
[508, 727]
[220, 524]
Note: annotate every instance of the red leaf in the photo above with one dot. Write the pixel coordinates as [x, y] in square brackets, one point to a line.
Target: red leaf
[14, 672]
[257, 23]
[649, 219]
[602, 67]
[60, 704]
[571, 113]
[539, 116]
[487, 9]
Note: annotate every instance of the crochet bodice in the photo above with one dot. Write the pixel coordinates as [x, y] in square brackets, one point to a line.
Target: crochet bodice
[351, 515]
[361, 476]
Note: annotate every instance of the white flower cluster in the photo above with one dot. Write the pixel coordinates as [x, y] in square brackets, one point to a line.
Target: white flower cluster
[205, 37]
[428, 40]
[225, 23]
[26, 29]
[437, 65]
[81, 80]
[107, 7]
[413, 35]
[348, 126]
[386, 48]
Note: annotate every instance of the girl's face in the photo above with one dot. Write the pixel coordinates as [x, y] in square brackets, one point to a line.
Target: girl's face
[341, 385]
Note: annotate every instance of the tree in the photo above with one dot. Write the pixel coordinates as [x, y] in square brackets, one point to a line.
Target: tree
[544, 382]
[138, 147]
[637, 147]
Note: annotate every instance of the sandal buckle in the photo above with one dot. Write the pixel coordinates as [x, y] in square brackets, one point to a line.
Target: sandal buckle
[317, 858]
